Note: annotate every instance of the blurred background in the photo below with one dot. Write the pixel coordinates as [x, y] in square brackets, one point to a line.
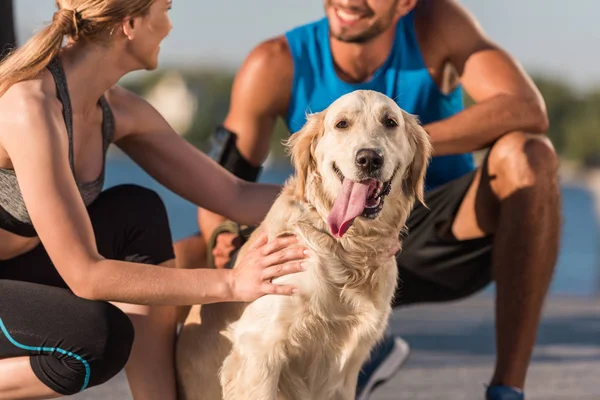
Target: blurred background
[554, 40]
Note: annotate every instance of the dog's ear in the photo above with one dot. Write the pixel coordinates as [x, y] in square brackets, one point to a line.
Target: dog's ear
[301, 148]
[414, 179]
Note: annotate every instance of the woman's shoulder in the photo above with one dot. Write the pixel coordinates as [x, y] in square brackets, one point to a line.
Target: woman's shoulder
[123, 102]
[28, 102]
[27, 94]
[119, 97]
[130, 110]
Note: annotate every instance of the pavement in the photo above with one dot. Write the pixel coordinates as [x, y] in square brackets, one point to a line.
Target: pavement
[453, 353]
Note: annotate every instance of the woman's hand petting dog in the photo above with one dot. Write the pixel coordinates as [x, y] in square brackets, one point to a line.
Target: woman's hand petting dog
[263, 262]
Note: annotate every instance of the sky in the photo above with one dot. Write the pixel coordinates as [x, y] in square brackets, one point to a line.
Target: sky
[552, 37]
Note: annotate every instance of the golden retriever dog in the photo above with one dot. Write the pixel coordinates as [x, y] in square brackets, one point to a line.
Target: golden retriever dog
[359, 168]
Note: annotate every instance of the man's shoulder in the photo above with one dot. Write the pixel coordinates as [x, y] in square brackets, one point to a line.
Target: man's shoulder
[448, 31]
[265, 78]
[271, 50]
[444, 17]
[433, 11]
[267, 73]
[269, 61]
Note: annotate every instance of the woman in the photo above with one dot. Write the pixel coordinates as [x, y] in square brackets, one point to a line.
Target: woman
[67, 250]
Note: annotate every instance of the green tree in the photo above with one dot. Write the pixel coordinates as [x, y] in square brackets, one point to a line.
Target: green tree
[560, 100]
[581, 130]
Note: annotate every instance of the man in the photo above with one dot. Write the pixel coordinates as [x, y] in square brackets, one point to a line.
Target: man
[7, 31]
[498, 221]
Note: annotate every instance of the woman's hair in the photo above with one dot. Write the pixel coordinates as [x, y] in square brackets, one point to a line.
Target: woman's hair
[86, 19]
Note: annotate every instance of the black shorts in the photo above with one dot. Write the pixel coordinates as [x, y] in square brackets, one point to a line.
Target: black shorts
[73, 343]
[433, 265]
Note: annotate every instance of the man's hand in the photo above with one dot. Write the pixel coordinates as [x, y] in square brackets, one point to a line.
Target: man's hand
[225, 245]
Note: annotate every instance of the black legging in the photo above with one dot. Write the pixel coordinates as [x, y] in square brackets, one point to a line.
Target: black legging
[75, 343]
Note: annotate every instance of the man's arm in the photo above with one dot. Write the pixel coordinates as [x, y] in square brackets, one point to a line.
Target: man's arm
[260, 94]
[506, 97]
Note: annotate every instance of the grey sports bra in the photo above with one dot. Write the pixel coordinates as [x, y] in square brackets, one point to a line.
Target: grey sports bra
[13, 213]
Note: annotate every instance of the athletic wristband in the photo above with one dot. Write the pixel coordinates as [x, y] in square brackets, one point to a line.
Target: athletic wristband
[224, 151]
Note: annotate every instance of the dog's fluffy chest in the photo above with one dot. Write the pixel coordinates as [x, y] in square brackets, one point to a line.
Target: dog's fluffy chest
[330, 327]
[340, 312]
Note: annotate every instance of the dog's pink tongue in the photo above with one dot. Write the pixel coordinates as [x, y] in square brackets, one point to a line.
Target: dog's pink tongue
[349, 204]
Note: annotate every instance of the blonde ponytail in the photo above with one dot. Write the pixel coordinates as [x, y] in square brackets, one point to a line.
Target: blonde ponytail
[29, 60]
[82, 18]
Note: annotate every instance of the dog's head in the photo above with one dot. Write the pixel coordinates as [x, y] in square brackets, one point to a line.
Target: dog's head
[361, 161]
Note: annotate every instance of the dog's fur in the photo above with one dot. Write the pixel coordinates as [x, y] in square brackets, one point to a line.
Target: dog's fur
[312, 345]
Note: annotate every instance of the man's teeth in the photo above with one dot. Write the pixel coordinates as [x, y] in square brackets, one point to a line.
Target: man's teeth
[347, 16]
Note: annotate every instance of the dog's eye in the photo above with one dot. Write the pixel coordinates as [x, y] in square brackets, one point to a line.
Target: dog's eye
[390, 123]
[342, 124]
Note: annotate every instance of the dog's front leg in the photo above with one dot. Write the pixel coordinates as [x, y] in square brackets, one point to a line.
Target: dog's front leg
[251, 371]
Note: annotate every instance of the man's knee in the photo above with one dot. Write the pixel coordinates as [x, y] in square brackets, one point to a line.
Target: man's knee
[519, 160]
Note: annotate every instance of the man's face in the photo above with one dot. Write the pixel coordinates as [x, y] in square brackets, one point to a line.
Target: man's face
[358, 21]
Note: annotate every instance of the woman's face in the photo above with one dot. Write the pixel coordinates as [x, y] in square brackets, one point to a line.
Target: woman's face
[147, 32]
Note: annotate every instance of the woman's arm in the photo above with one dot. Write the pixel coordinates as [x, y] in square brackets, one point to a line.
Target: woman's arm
[153, 144]
[37, 146]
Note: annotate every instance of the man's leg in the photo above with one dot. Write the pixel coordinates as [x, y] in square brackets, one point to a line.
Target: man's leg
[516, 197]
[190, 252]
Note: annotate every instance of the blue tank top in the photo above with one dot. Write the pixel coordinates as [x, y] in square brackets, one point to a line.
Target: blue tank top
[403, 77]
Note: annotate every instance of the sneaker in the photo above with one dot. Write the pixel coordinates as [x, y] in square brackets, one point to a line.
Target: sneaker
[499, 392]
[385, 360]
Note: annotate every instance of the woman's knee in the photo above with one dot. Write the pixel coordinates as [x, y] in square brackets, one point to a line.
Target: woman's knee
[104, 349]
[119, 335]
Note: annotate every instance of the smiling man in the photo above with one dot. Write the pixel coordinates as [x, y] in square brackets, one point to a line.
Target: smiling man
[499, 221]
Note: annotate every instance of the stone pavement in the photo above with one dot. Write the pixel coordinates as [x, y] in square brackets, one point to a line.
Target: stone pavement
[453, 353]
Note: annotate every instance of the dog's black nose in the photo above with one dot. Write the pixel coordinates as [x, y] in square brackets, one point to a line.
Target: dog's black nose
[369, 160]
